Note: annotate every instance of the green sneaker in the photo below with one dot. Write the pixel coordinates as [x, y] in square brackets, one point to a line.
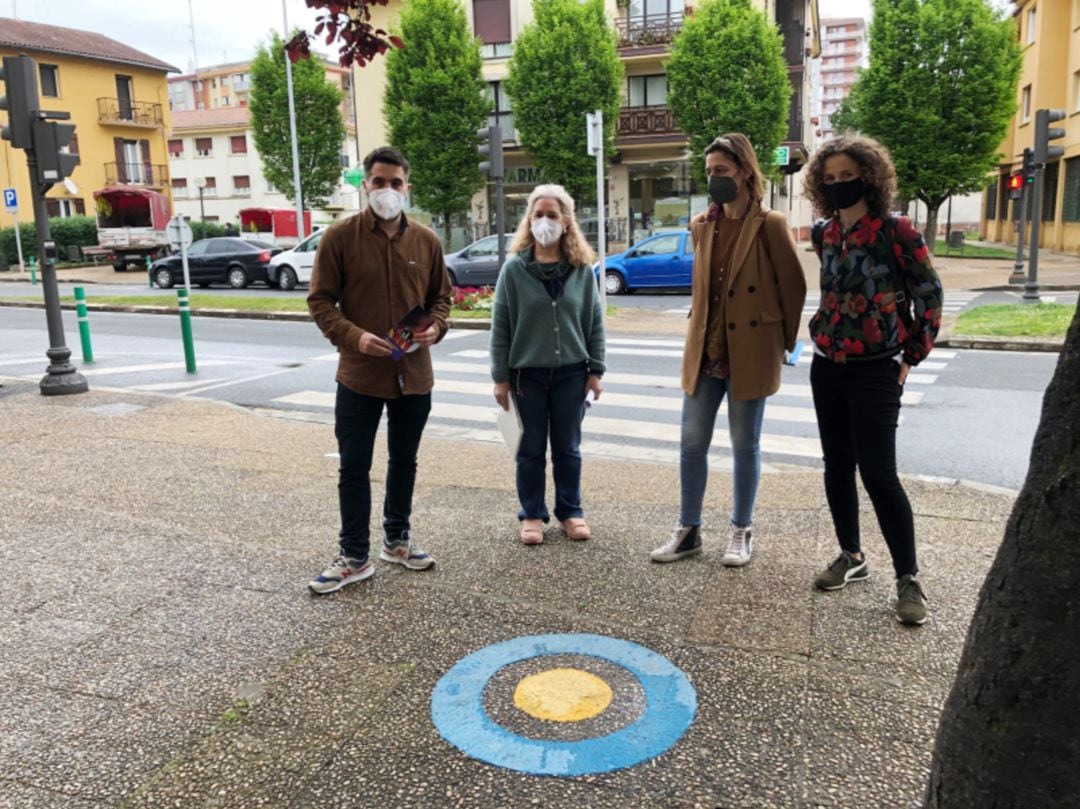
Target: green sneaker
[844, 568]
[910, 601]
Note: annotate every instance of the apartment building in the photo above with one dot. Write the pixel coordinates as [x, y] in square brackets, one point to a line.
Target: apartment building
[1049, 33]
[651, 183]
[215, 168]
[118, 101]
[843, 53]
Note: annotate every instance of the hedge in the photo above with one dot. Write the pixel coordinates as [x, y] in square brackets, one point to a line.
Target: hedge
[73, 231]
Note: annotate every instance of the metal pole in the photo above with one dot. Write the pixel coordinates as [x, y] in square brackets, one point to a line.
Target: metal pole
[18, 240]
[185, 329]
[84, 325]
[61, 378]
[149, 273]
[500, 218]
[202, 212]
[33, 272]
[1018, 268]
[300, 234]
[1031, 288]
[948, 223]
[597, 123]
[184, 264]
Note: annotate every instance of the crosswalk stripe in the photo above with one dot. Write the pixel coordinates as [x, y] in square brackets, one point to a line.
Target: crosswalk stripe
[152, 366]
[167, 386]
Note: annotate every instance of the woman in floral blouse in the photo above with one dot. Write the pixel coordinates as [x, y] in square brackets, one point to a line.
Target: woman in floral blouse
[878, 317]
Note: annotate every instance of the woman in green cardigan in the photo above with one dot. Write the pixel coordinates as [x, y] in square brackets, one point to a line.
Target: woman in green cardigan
[547, 351]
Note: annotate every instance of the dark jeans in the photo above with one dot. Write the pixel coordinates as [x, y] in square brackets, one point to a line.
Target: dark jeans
[356, 418]
[858, 407]
[551, 402]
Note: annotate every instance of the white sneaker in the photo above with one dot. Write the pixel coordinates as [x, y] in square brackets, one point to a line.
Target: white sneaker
[685, 541]
[739, 548]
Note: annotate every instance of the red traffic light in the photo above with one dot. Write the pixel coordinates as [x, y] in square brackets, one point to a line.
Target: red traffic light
[1016, 182]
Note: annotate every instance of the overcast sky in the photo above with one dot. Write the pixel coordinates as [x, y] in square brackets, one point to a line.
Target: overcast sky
[225, 30]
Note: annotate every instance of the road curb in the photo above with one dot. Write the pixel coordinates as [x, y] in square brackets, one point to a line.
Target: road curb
[999, 344]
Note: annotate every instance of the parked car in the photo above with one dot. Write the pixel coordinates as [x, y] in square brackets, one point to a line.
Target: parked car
[292, 267]
[223, 260]
[478, 264]
[664, 259]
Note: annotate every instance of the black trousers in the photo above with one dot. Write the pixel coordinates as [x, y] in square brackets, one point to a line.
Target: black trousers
[356, 419]
[858, 407]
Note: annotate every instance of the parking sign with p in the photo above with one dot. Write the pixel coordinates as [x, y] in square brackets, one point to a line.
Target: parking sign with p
[11, 200]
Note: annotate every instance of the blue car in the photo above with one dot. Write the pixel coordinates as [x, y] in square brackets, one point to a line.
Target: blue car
[662, 260]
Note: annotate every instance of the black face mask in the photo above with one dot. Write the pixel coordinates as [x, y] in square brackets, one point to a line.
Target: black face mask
[722, 189]
[844, 195]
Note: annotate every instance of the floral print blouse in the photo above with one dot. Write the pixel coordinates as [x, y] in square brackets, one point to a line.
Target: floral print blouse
[857, 318]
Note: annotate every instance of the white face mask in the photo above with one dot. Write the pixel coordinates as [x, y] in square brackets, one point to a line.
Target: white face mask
[386, 202]
[546, 231]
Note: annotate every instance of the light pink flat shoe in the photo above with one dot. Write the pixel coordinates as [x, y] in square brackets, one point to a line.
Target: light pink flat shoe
[532, 532]
[577, 528]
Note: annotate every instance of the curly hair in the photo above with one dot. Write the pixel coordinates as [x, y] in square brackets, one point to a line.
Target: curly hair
[572, 243]
[874, 162]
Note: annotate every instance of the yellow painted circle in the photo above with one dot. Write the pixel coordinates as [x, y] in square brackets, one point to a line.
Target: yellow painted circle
[562, 695]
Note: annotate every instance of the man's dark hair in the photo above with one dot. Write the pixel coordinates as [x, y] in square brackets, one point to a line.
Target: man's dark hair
[385, 154]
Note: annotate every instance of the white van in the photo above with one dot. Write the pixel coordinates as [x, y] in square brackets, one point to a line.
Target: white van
[293, 267]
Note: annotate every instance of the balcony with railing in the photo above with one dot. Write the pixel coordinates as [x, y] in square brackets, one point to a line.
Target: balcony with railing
[152, 175]
[654, 123]
[647, 31]
[123, 112]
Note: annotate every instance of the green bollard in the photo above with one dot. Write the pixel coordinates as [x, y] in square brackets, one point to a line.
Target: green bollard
[84, 325]
[33, 272]
[149, 273]
[185, 330]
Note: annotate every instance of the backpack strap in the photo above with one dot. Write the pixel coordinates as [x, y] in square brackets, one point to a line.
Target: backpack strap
[899, 282]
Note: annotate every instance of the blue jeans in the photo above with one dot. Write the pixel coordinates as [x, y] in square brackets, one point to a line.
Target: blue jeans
[551, 402]
[744, 424]
[356, 421]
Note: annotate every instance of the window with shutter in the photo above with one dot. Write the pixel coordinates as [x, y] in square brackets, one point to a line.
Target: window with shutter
[1071, 207]
[1050, 185]
[204, 147]
[238, 144]
[176, 148]
[991, 200]
[491, 20]
[1003, 197]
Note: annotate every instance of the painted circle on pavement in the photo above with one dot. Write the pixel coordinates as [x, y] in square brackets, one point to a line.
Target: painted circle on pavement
[457, 707]
[563, 695]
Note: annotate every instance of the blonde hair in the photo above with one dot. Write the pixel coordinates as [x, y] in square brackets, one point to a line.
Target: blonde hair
[739, 148]
[572, 244]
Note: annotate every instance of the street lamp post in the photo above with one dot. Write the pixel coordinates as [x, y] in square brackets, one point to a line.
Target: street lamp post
[200, 183]
[300, 234]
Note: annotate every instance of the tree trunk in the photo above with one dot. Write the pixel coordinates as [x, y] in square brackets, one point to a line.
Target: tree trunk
[1008, 736]
[447, 234]
[930, 231]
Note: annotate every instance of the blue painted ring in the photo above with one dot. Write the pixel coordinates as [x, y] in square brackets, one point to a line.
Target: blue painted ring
[457, 708]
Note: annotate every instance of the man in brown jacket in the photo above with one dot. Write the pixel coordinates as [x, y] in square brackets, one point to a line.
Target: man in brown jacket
[371, 270]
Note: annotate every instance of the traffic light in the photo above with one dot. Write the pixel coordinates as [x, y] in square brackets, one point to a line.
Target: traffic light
[1016, 186]
[20, 99]
[1044, 133]
[50, 138]
[1029, 166]
[491, 150]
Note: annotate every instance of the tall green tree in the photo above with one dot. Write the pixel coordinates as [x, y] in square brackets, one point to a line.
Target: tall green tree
[940, 93]
[727, 74]
[434, 103]
[565, 65]
[320, 131]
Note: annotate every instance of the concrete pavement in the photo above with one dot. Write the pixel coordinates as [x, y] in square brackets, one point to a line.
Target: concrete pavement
[159, 646]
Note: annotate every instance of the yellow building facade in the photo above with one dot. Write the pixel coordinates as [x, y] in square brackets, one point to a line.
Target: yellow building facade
[118, 101]
[1049, 33]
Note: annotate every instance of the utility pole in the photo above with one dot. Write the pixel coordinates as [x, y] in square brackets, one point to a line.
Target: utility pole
[491, 149]
[300, 234]
[594, 121]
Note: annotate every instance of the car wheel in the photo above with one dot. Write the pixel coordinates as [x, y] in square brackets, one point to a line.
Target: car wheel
[614, 283]
[453, 278]
[120, 266]
[286, 278]
[163, 278]
[237, 277]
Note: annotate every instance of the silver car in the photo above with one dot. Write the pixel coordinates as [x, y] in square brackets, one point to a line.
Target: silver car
[478, 264]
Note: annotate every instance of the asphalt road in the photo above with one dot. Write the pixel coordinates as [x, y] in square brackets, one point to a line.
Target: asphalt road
[967, 414]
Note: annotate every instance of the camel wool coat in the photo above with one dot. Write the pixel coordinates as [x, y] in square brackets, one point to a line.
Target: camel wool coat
[766, 292]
